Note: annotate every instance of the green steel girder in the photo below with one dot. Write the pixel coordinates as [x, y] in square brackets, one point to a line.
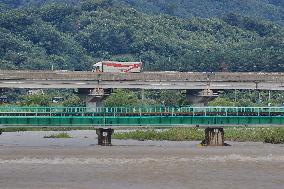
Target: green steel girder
[138, 116]
[102, 121]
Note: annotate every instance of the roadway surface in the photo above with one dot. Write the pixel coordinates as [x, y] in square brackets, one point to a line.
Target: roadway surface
[145, 80]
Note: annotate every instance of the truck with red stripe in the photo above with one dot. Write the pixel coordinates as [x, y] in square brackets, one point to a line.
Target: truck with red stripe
[117, 67]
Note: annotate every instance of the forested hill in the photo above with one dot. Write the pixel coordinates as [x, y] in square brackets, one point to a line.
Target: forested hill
[272, 10]
[75, 35]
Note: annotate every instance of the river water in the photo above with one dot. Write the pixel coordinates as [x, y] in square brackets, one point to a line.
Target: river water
[28, 161]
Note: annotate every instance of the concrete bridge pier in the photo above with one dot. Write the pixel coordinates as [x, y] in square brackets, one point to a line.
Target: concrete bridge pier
[104, 136]
[94, 97]
[200, 97]
[214, 136]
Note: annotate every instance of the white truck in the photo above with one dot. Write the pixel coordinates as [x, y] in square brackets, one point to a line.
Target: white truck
[117, 67]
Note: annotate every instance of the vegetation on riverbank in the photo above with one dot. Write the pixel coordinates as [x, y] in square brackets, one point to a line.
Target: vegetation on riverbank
[274, 135]
[59, 135]
[267, 135]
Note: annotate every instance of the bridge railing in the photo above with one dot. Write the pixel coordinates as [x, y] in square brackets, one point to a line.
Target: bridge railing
[139, 111]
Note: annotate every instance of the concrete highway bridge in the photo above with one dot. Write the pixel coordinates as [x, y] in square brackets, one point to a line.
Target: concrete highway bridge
[144, 80]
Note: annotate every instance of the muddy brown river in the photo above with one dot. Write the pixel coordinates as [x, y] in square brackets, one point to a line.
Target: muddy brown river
[28, 161]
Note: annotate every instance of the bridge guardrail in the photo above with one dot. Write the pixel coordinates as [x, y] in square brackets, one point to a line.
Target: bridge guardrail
[139, 111]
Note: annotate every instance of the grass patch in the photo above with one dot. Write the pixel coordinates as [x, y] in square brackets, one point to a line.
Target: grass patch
[240, 134]
[266, 135]
[175, 134]
[59, 135]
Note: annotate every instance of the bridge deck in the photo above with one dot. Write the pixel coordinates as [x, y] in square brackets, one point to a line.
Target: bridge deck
[145, 80]
[139, 116]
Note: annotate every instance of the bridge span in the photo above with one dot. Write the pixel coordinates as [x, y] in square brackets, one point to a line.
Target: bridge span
[145, 80]
[104, 119]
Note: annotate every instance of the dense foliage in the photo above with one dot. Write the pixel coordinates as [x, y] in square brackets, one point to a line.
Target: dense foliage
[75, 35]
[123, 98]
[47, 99]
[120, 98]
[263, 9]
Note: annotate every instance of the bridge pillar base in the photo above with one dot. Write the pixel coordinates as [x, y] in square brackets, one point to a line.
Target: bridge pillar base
[214, 136]
[104, 136]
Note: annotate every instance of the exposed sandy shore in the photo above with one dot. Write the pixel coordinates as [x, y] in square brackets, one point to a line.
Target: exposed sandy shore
[28, 161]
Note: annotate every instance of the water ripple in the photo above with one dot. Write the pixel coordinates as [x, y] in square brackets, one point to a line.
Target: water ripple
[121, 161]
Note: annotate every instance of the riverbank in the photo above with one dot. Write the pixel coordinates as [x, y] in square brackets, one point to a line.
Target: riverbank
[274, 135]
[240, 134]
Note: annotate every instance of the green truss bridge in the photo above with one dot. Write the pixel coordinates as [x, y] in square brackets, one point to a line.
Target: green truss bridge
[108, 117]
[104, 119]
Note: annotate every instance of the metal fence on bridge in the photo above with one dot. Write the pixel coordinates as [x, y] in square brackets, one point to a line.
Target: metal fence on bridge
[11, 116]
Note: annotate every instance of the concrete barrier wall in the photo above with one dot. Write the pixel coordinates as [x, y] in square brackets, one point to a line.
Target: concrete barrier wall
[145, 76]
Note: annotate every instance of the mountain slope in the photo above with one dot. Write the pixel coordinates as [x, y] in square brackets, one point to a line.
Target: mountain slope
[75, 36]
[272, 10]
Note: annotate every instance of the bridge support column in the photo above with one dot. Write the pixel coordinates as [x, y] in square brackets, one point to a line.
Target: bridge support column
[214, 136]
[200, 97]
[94, 97]
[104, 136]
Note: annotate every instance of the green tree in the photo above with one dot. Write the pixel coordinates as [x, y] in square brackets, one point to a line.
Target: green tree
[122, 98]
[171, 98]
[36, 100]
[221, 101]
[72, 101]
[92, 5]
